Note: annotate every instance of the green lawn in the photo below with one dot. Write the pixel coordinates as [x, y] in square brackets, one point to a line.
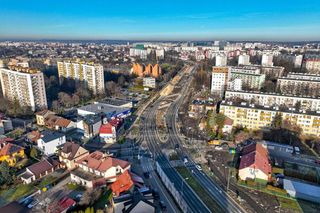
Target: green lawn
[201, 192]
[17, 192]
[290, 204]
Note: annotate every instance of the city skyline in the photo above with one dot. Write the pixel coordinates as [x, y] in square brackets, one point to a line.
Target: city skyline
[232, 20]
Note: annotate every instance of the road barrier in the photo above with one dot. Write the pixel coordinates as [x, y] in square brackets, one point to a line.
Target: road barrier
[170, 186]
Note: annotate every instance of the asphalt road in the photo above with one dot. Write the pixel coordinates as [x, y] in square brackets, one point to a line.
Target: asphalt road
[217, 194]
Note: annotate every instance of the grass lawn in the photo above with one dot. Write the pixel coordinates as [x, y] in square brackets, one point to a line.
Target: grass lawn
[289, 204]
[17, 192]
[201, 192]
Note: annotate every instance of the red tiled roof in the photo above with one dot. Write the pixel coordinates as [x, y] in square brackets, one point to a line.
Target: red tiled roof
[122, 184]
[34, 136]
[98, 161]
[62, 122]
[9, 149]
[228, 121]
[106, 129]
[258, 158]
[42, 166]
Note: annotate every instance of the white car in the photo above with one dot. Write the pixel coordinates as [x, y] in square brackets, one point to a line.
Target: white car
[218, 148]
[199, 167]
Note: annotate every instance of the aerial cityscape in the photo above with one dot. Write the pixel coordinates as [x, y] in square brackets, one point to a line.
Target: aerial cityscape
[142, 107]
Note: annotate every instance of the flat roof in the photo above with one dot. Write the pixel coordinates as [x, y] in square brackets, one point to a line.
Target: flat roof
[107, 109]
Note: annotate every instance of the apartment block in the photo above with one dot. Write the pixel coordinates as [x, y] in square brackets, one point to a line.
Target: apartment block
[300, 83]
[267, 60]
[275, 99]
[256, 117]
[138, 52]
[219, 80]
[221, 60]
[251, 76]
[312, 65]
[24, 85]
[244, 59]
[92, 75]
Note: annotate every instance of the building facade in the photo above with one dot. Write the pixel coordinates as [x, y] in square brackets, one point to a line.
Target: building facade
[251, 76]
[25, 86]
[244, 59]
[90, 74]
[256, 117]
[267, 60]
[219, 80]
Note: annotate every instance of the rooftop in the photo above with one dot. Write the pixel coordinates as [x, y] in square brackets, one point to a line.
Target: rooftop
[48, 135]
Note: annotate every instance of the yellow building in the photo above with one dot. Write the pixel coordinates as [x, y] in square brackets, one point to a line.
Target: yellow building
[11, 153]
[258, 117]
[40, 116]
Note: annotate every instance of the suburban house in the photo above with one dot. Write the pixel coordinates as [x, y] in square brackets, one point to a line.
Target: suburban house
[90, 125]
[70, 153]
[254, 163]
[39, 170]
[42, 115]
[135, 202]
[64, 125]
[11, 153]
[108, 133]
[122, 184]
[228, 124]
[5, 125]
[97, 169]
[33, 136]
[50, 121]
[50, 141]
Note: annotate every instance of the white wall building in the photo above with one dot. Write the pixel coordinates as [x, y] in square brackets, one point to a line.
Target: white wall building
[267, 60]
[141, 53]
[219, 80]
[24, 85]
[244, 59]
[149, 82]
[49, 142]
[92, 75]
[221, 60]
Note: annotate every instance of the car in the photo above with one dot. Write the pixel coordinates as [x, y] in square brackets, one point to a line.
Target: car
[34, 203]
[162, 205]
[79, 196]
[218, 148]
[176, 146]
[155, 194]
[199, 167]
[146, 175]
[27, 201]
[185, 160]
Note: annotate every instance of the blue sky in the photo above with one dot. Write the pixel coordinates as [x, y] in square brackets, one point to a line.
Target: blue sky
[152, 20]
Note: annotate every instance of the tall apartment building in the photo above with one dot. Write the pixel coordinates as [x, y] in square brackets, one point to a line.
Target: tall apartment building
[24, 85]
[258, 117]
[297, 61]
[300, 84]
[312, 65]
[251, 76]
[275, 99]
[244, 59]
[138, 52]
[219, 80]
[92, 75]
[267, 60]
[221, 60]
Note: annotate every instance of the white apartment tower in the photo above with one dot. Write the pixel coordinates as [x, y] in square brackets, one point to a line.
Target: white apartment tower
[90, 74]
[267, 60]
[221, 60]
[244, 59]
[24, 85]
[219, 81]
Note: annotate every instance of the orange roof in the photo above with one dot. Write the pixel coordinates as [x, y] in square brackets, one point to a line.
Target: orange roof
[98, 161]
[9, 149]
[106, 129]
[62, 122]
[34, 136]
[258, 158]
[122, 184]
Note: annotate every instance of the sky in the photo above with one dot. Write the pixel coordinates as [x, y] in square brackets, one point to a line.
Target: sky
[272, 20]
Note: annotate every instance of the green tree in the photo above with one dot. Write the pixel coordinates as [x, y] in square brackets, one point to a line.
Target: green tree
[5, 172]
[33, 152]
[277, 121]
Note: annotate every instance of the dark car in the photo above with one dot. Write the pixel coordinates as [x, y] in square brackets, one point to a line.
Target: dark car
[162, 205]
[155, 194]
[146, 175]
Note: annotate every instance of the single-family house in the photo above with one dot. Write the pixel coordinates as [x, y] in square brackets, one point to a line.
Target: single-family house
[70, 153]
[50, 142]
[42, 115]
[108, 133]
[11, 153]
[228, 124]
[97, 169]
[39, 170]
[122, 184]
[64, 125]
[254, 163]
